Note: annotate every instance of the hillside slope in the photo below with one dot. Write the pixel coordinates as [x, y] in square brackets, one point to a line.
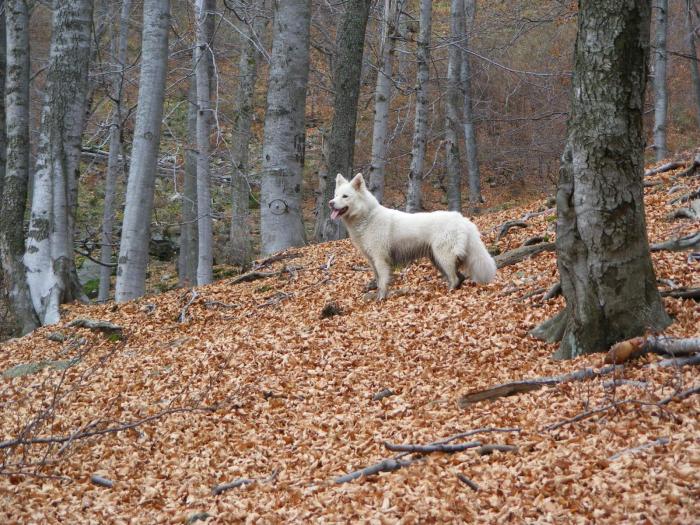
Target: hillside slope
[253, 384]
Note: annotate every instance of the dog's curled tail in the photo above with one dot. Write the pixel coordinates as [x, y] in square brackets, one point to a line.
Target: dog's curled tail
[479, 263]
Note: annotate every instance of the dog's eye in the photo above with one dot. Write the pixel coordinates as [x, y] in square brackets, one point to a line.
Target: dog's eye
[345, 196]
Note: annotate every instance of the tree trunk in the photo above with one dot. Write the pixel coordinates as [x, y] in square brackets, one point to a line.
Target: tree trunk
[136, 228]
[350, 45]
[16, 177]
[382, 97]
[49, 253]
[660, 91]
[240, 238]
[281, 224]
[472, 153]
[420, 131]
[114, 162]
[603, 253]
[3, 68]
[690, 40]
[452, 121]
[187, 261]
[203, 56]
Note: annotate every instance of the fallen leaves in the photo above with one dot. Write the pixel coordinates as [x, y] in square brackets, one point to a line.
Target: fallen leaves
[310, 399]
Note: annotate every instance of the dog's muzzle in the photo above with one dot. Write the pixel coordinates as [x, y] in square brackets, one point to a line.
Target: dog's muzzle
[336, 212]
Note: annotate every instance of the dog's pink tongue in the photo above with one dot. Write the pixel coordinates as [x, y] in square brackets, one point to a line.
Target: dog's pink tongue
[334, 214]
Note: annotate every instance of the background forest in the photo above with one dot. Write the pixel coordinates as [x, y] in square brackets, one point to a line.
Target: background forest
[508, 63]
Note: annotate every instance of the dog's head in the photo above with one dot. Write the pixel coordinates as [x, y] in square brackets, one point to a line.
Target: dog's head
[351, 199]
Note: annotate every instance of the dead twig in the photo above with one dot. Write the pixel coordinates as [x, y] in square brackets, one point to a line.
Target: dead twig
[468, 482]
[385, 392]
[660, 441]
[485, 450]
[664, 168]
[100, 326]
[506, 226]
[102, 482]
[434, 447]
[386, 465]
[519, 254]
[275, 258]
[183, 314]
[682, 293]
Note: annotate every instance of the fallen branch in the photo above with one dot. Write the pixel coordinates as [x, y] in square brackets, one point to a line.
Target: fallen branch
[102, 482]
[240, 482]
[532, 214]
[506, 226]
[276, 258]
[389, 465]
[689, 242]
[682, 213]
[468, 482]
[385, 392]
[639, 346]
[519, 254]
[680, 396]
[183, 314]
[528, 385]
[433, 447]
[254, 276]
[11, 443]
[664, 168]
[386, 465]
[100, 326]
[685, 197]
[536, 291]
[537, 239]
[660, 441]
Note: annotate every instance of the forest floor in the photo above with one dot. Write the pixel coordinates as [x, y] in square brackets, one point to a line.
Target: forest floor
[263, 385]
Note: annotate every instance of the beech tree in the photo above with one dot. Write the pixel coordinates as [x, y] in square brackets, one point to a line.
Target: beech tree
[203, 56]
[119, 42]
[660, 88]
[452, 118]
[692, 53]
[49, 247]
[470, 144]
[382, 96]
[240, 247]
[136, 228]
[350, 45]
[16, 175]
[603, 256]
[420, 126]
[281, 224]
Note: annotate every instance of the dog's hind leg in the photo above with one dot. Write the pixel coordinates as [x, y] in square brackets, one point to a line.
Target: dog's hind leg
[447, 263]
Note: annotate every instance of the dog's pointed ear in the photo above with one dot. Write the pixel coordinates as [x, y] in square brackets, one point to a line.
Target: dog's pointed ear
[358, 181]
[339, 179]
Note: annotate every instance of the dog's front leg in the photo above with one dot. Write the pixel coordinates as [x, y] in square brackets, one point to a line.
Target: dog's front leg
[382, 274]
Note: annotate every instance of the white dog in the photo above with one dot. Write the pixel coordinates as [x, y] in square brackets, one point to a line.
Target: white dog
[390, 237]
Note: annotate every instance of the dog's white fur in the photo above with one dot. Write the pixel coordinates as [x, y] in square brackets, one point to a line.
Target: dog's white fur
[389, 237]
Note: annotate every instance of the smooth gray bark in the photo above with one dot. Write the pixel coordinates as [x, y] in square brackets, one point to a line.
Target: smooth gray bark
[203, 56]
[49, 250]
[115, 160]
[470, 145]
[692, 52]
[420, 127]
[187, 259]
[13, 200]
[452, 120]
[660, 79]
[350, 45]
[136, 228]
[602, 249]
[239, 237]
[382, 97]
[281, 224]
[3, 69]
